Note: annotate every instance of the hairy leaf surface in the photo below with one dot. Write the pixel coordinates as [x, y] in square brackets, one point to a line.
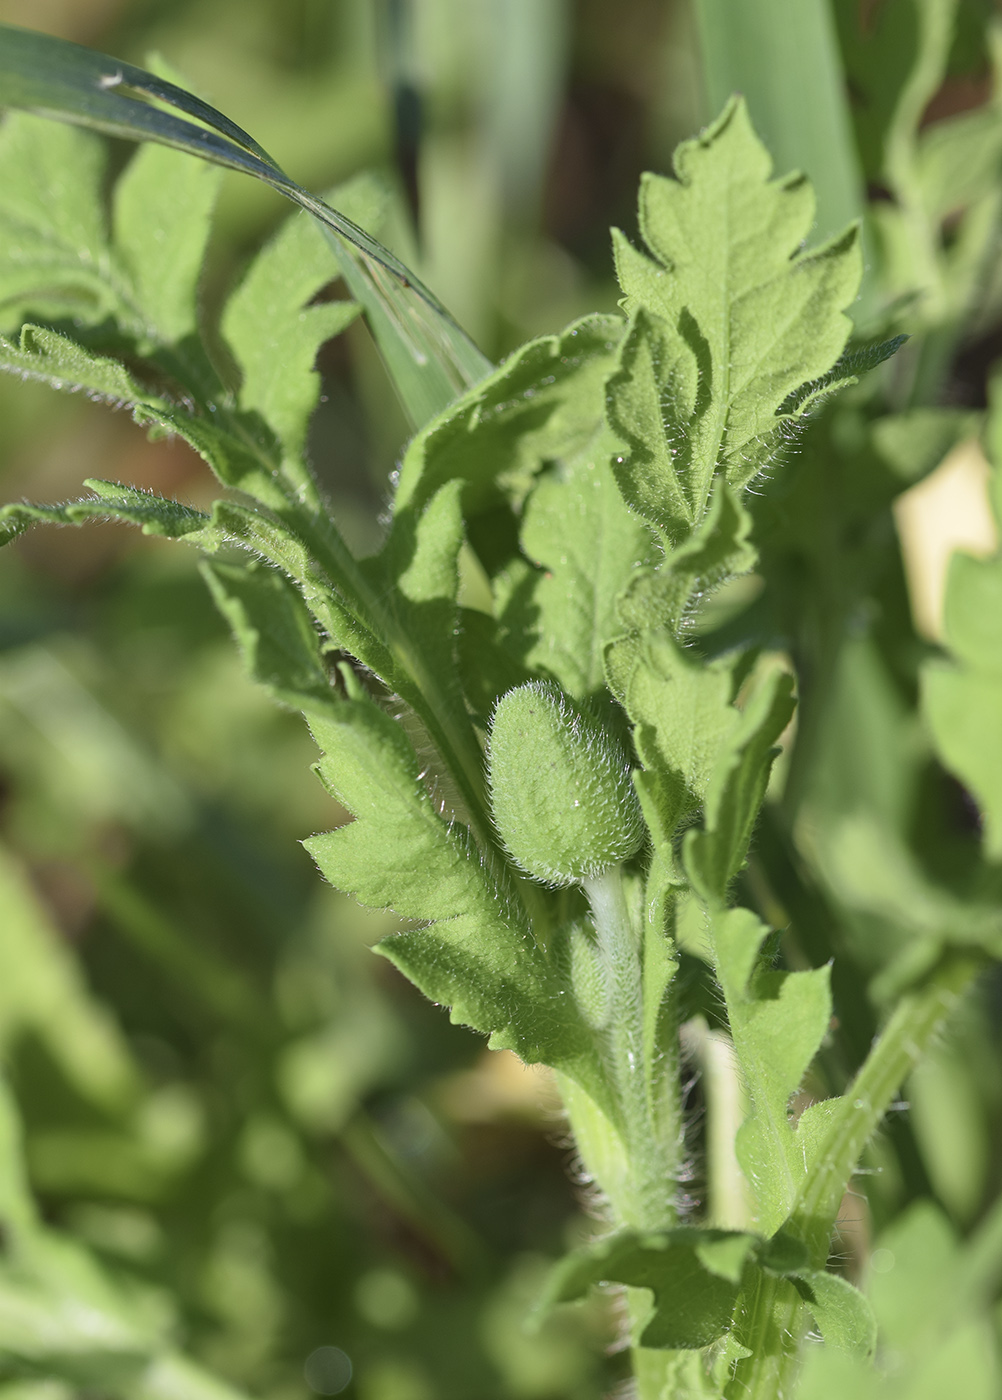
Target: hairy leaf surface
[545, 401]
[478, 955]
[730, 318]
[693, 1275]
[585, 543]
[275, 334]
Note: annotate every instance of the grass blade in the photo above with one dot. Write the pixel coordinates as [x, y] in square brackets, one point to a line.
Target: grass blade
[783, 56]
[429, 357]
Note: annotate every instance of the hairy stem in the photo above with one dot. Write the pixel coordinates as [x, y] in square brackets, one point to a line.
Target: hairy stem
[649, 1203]
[914, 1023]
[641, 1184]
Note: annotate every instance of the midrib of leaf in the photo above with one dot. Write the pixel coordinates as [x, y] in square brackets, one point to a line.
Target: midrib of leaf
[723, 411]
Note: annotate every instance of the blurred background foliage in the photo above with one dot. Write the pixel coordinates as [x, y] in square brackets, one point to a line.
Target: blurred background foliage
[322, 1185]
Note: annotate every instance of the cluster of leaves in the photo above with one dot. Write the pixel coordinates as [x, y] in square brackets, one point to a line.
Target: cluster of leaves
[589, 493]
[255, 441]
[528, 458]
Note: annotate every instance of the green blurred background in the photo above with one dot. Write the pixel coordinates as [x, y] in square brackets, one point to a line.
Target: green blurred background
[225, 1095]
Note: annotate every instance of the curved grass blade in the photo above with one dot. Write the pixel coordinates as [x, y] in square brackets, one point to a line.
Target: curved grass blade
[429, 357]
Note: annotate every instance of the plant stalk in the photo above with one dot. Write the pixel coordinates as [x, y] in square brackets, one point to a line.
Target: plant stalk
[770, 1317]
[648, 1205]
[641, 1169]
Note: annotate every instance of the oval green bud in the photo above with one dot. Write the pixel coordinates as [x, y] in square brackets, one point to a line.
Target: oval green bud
[561, 794]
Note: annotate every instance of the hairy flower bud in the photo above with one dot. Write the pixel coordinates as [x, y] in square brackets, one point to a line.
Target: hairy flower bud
[560, 787]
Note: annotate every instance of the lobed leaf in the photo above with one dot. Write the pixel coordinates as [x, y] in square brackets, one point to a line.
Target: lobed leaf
[545, 401]
[274, 631]
[736, 788]
[162, 216]
[533, 433]
[693, 1274]
[113, 501]
[417, 573]
[275, 335]
[696, 746]
[478, 956]
[777, 1022]
[843, 1315]
[63, 363]
[144, 280]
[584, 544]
[717, 549]
[681, 712]
[729, 319]
[854, 361]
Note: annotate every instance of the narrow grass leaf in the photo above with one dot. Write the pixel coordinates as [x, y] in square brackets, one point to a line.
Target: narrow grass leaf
[784, 57]
[429, 356]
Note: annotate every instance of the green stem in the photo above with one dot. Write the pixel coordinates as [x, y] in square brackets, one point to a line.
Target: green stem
[648, 1205]
[770, 1316]
[643, 1166]
[915, 1021]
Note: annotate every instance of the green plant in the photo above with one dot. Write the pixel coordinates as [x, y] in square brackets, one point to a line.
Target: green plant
[592, 495]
